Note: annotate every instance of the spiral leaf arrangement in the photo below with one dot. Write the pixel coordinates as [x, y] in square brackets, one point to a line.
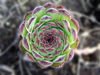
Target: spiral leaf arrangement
[49, 35]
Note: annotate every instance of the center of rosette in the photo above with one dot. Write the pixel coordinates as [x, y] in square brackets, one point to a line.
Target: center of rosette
[49, 38]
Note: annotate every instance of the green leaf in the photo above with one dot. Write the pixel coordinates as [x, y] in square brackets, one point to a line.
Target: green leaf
[67, 53]
[75, 44]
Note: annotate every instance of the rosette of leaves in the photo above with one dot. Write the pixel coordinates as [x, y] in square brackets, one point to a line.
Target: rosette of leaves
[49, 35]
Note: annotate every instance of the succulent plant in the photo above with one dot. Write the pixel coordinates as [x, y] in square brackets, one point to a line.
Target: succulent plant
[49, 35]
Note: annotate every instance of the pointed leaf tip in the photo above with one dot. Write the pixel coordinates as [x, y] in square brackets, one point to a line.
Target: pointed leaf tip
[66, 47]
[66, 24]
[44, 27]
[37, 41]
[34, 46]
[75, 23]
[27, 16]
[30, 57]
[49, 5]
[21, 47]
[61, 33]
[52, 10]
[66, 39]
[25, 43]
[49, 57]
[46, 18]
[60, 7]
[59, 24]
[75, 44]
[52, 24]
[42, 51]
[37, 55]
[70, 56]
[50, 49]
[31, 23]
[74, 33]
[57, 52]
[59, 59]
[59, 65]
[35, 34]
[54, 31]
[38, 25]
[29, 36]
[65, 12]
[45, 63]
[38, 9]
[59, 45]
[22, 26]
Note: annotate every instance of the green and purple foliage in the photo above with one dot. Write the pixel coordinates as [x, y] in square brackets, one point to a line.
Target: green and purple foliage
[49, 35]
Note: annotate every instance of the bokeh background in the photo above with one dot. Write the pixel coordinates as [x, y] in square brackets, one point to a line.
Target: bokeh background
[87, 56]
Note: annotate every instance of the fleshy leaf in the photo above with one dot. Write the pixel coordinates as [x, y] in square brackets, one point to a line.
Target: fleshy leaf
[25, 43]
[37, 41]
[65, 12]
[49, 5]
[66, 39]
[27, 16]
[37, 55]
[61, 33]
[54, 30]
[30, 57]
[38, 25]
[54, 45]
[59, 45]
[50, 49]
[57, 52]
[59, 23]
[45, 27]
[66, 26]
[34, 46]
[66, 47]
[41, 33]
[31, 23]
[75, 44]
[46, 18]
[75, 23]
[74, 33]
[52, 24]
[60, 7]
[29, 37]
[23, 29]
[53, 13]
[57, 65]
[38, 9]
[49, 57]
[59, 59]
[70, 56]
[67, 53]
[35, 34]
[21, 46]
[47, 46]
[22, 26]
[57, 38]
[45, 63]
[52, 10]
[42, 50]
[42, 45]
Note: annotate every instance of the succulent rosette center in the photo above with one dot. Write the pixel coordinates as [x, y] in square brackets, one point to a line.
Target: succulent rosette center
[49, 35]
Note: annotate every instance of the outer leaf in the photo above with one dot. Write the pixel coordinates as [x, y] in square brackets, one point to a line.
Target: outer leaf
[27, 16]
